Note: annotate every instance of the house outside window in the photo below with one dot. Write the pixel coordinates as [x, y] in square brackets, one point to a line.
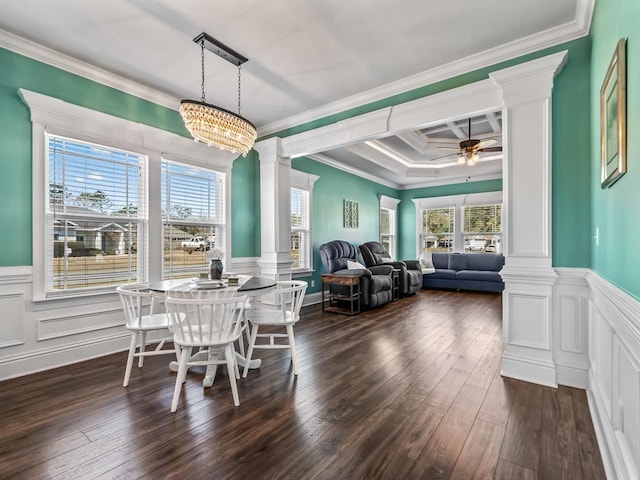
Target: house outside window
[95, 215]
[193, 214]
[388, 228]
[301, 201]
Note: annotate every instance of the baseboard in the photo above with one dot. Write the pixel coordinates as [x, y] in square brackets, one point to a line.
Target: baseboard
[312, 299]
[576, 377]
[528, 370]
[602, 438]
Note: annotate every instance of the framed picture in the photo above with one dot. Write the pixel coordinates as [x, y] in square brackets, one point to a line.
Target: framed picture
[613, 118]
[351, 217]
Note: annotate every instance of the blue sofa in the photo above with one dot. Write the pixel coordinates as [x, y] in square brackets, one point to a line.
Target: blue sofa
[466, 271]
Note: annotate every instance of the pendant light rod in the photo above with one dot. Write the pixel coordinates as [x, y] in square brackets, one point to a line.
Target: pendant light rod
[220, 49]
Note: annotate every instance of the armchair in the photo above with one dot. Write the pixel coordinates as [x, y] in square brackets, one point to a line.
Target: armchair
[375, 282]
[374, 253]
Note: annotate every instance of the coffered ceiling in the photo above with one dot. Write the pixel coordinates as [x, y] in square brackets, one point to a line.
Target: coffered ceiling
[307, 59]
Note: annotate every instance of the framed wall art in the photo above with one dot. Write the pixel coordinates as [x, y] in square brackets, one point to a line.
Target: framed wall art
[351, 217]
[613, 118]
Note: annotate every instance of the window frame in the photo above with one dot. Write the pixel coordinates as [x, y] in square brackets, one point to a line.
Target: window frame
[458, 202]
[305, 182]
[56, 117]
[390, 204]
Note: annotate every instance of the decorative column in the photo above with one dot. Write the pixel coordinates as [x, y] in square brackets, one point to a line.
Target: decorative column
[275, 210]
[528, 274]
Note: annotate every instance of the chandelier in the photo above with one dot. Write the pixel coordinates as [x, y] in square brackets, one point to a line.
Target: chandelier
[213, 125]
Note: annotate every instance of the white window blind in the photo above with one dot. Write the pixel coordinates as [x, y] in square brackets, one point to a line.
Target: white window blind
[300, 229]
[96, 216]
[193, 213]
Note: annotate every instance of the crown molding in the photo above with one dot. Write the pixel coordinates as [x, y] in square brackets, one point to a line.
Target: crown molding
[318, 157]
[578, 28]
[69, 64]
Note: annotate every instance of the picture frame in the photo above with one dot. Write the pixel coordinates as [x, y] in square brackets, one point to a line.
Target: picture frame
[351, 214]
[613, 118]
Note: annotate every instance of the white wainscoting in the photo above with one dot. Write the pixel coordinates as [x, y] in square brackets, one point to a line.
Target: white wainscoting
[614, 376]
[36, 336]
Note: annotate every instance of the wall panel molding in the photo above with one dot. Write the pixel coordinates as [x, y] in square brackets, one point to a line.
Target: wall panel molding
[614, 376]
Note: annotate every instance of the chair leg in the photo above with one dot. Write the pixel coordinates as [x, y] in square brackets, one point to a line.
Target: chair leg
[252, 342]
[180, 377]
[132, 351]
[292, 346]
[231, 360]
[143, 344]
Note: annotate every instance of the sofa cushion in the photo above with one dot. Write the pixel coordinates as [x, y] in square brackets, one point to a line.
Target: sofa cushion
[444, 273]
[484, 261]
[440, 260]
[485, 276]
[458, 261]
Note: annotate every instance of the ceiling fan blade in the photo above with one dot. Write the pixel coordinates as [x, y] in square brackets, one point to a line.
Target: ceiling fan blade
[490, 149]
[449, 148]
[443, 156]
[486, 143]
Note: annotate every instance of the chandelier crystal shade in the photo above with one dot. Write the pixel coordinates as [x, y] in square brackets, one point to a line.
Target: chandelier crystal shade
[213, 125]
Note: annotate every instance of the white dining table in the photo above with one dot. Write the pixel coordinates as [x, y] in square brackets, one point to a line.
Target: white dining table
[253, 287]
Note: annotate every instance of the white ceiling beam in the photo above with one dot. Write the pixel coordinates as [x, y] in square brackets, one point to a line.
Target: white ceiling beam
[457, 131]
[493, 122]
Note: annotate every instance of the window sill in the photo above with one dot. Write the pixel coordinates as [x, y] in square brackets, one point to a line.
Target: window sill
[302, 273]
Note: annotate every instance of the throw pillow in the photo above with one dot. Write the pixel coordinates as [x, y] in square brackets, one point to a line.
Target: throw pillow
[355, 265]
[426, 260]
[387, 260]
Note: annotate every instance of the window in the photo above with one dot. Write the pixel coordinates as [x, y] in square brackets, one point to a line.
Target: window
[483, 228]
[388, 207]
[193, 217]
[300, 234]
[460, 223]
[301, 201]
[96, 215]
[438, 230]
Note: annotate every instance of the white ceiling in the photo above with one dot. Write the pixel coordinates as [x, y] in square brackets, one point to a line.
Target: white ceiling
[307, 59]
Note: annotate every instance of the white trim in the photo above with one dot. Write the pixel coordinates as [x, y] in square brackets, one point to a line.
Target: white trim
[57, 117]
[305, 182]
[573, 30]
[614, 400]
[318, 157]
[388, 202]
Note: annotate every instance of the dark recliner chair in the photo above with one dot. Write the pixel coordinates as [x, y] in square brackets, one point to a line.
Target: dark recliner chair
[375, 282]
[374, 253]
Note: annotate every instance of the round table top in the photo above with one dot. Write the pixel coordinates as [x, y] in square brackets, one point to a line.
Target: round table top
[247, 283]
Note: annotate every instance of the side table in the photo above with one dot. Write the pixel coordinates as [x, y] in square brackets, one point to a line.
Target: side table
[352, 297]
[395, 284]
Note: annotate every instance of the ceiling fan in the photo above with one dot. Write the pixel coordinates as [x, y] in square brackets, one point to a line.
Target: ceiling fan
[468, 149]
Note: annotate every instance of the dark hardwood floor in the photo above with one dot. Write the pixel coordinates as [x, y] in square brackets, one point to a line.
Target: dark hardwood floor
[411, 390]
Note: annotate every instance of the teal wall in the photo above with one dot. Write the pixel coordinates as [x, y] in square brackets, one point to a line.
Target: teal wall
[245, 206]
[15, 157]
[329, 192]
[615, 209]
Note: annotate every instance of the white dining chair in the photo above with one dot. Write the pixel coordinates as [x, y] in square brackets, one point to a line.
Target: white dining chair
[136, 299]
[289, 296]
[210, 324]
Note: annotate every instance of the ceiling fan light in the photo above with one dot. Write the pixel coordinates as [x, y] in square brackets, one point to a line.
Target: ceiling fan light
[461, 160]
